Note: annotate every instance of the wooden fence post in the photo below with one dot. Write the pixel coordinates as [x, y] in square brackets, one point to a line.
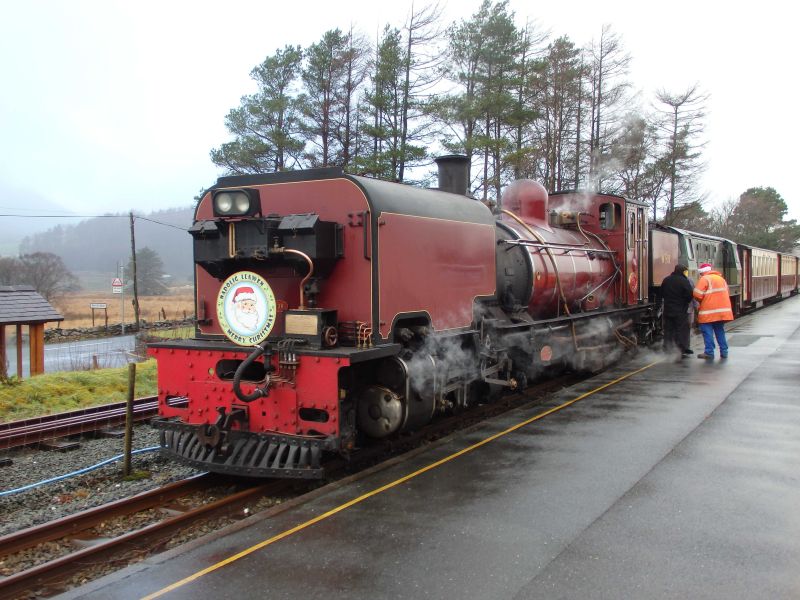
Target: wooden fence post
[126, 469]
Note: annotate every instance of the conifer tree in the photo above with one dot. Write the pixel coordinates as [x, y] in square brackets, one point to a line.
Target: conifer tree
[323, 75]
[266, 125]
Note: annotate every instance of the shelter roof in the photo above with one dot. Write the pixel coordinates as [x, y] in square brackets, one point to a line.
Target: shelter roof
[22, 304]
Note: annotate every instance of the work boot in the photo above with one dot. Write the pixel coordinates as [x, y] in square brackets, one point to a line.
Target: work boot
[706, 356]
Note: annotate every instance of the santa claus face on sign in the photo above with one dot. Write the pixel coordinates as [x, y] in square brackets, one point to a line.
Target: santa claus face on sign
[245, 309]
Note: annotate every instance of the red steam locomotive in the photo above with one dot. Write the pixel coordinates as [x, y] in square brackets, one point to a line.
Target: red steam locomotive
[333, 308]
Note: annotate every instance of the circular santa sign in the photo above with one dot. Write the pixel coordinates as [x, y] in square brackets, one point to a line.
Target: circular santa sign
[246, 308]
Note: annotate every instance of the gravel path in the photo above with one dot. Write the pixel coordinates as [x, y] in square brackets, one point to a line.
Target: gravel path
[54, 500]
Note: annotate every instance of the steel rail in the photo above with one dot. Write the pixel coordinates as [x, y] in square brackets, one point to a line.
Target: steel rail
[38, 429]
[51, 574]
[54, 572]
[81, 521]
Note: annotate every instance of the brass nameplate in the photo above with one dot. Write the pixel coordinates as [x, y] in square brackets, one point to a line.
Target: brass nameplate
[302, 324]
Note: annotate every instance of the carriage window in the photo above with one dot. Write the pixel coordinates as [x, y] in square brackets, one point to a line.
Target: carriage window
[610, 214]
[631, 229]
[689, 250]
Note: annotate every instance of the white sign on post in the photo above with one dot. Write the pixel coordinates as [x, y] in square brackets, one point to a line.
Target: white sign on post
[116, 286]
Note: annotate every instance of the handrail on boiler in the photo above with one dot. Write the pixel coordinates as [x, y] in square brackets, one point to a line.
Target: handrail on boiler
[556, 246]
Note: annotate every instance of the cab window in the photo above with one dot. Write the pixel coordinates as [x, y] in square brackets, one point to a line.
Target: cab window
[610, 215]
[631, 229]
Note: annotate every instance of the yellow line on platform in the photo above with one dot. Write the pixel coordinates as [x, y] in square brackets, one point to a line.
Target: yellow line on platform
[383, 488]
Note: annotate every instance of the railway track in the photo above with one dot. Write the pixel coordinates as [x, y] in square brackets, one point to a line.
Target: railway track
[48, 427]
[80, 542]
[68, 550]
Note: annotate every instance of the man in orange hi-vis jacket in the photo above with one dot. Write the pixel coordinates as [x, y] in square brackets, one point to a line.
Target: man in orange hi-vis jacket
[711, 292]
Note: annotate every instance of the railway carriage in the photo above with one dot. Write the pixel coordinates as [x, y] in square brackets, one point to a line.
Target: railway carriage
[755, 276]
[788, 274]
[678, 246]
[759, 274]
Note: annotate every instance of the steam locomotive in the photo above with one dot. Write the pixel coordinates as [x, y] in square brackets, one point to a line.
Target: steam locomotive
[333, 309]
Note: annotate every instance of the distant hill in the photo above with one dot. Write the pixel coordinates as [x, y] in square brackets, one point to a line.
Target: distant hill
[98, 244]
[14, 229]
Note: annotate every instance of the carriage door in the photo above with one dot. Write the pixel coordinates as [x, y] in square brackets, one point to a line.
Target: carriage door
[634, 250]
[642, 248]
[746, 275]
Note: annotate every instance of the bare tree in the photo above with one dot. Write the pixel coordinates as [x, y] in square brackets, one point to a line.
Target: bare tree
[9, 271]
[44, 271]
[640, 168]
[681, 128]
[607, 72]
[354, 62]
[421, 64]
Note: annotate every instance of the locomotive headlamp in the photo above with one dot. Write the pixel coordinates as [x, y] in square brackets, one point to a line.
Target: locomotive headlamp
[235, 203]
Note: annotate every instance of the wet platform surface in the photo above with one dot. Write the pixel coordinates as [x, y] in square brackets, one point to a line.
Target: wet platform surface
[680, 481]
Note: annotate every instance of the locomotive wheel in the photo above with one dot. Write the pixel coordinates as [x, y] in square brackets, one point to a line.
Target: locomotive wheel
[521, 379]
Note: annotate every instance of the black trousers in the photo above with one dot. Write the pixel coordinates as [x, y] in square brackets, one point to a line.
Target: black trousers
[676, 332]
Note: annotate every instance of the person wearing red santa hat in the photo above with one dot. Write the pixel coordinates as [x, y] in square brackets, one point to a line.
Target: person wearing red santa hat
[245, 310]
[712, 293]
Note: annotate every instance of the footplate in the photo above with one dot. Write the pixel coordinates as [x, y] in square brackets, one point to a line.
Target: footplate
[245, 453]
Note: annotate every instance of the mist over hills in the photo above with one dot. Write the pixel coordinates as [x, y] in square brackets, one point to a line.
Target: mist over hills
[99, 243]
[28, 204]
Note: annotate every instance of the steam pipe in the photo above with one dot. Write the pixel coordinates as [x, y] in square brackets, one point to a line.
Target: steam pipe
[601, 241]
[555, 246]
[231, 240]
[310, 262]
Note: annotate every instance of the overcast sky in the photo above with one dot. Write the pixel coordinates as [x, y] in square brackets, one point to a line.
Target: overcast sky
[111, 105]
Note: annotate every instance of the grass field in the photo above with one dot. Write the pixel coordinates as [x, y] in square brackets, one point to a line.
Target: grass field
[75, 308]
[58, 392]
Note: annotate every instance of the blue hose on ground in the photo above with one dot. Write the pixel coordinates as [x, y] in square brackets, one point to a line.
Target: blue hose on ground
[74, 473]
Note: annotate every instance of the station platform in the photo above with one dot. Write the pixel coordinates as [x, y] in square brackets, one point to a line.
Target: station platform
[657, 479]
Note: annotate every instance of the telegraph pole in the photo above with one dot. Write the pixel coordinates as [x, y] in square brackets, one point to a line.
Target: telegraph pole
[133, 274]
[121, 272]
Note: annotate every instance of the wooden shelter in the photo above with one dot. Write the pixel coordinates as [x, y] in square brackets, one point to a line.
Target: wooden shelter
[22, 305]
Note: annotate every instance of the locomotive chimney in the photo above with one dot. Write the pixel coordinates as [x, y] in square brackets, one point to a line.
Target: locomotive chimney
[453, 173]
